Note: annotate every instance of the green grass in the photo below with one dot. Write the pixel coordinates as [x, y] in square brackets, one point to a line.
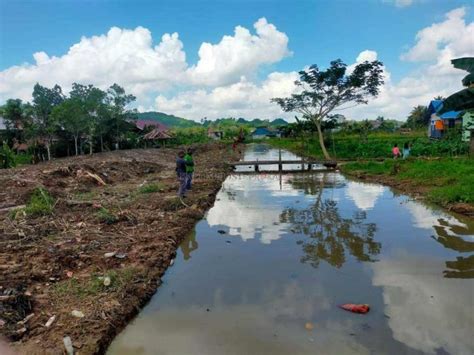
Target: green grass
[150, 188]
[94, 285]
[448, 180]
[105, 216]
[41, 203]
[377, 146]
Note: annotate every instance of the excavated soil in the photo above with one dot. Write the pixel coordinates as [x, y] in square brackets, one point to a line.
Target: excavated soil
[103, 249]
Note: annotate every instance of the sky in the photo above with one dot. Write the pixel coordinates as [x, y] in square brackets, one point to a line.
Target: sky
[228, 58]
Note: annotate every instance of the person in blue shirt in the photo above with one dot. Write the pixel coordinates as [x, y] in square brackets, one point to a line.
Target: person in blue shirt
[181, 174]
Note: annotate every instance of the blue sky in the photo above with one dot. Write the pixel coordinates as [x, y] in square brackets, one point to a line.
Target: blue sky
[317, 31]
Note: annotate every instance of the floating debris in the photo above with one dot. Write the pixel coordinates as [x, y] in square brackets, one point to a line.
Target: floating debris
[355, 308]
[309, 326]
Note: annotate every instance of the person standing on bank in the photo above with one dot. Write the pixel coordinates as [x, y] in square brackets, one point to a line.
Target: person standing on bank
[188, 158]
[181, 173]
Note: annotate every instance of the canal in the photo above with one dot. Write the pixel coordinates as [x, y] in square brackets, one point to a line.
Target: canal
[265, 271]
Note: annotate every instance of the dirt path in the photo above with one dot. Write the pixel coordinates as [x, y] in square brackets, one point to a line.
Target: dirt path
[114, 230]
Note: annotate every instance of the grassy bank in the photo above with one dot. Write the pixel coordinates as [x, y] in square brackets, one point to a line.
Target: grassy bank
[376, 146]
[444, 181]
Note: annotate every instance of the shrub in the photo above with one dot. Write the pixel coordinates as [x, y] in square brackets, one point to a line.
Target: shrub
[7, 157]
[41, 203]
[150, 188]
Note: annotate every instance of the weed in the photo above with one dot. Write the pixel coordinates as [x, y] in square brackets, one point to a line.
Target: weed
[150, 188]
[105, 216]
[41, 203]
[80, 288]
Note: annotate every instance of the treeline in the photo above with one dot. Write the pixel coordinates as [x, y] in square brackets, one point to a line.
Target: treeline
[54, 124]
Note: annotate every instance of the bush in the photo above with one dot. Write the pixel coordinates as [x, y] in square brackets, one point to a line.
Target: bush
[7, 157]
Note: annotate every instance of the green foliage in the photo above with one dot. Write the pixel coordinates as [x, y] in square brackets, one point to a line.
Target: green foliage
[150, 188]
[374, 146]
[418, 117]
[7, 157]
[326, 90]
[107, 217]
[41, 203]
[187, 136]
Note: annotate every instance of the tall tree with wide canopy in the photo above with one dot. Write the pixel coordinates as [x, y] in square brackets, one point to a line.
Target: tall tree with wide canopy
[323, 91]
[118, 100]
[44, 100]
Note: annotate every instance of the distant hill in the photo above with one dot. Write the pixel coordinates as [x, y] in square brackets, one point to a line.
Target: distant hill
[168, 120]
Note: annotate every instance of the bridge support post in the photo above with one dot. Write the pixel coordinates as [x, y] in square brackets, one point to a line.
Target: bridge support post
[310, 166]
[256, 168]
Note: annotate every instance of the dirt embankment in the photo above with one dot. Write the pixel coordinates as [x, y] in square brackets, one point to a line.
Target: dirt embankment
[408, 187]
[114, 229]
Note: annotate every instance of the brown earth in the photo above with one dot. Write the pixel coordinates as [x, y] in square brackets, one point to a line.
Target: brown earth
[408, 187]
[121, 202]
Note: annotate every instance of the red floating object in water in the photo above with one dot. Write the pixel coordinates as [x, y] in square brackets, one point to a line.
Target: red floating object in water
[355, 308]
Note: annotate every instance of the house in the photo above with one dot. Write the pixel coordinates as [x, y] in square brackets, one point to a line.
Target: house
[439, 124]
[215, 134]
[143, 124]
[265, 132]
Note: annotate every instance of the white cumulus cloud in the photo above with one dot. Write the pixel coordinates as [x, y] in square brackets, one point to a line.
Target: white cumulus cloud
[241, 99]
[241, 54]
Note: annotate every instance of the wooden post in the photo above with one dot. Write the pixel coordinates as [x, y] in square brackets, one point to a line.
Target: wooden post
[302, 165]
[280, 165]
[310, 166]
[256, 168]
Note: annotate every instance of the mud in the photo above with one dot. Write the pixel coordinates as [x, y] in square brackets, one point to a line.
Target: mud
[103, 226]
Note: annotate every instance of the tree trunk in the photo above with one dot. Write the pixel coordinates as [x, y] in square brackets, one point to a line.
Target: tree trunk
[321, 140]
[101, 143]
[48, 150]
[90, 145]
[75, 144]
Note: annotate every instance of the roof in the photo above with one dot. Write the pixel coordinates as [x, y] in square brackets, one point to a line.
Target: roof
[435, 106]
[263, 131]
[451, 115]
[157, 134]
[141, 124]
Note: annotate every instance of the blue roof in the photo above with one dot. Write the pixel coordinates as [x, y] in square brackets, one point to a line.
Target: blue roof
[451, 115]
[435, 106]
[262, 131]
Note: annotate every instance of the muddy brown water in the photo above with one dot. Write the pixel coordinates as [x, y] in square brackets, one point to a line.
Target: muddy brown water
[277, 252]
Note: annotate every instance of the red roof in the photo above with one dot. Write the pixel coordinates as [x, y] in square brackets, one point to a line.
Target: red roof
[141, 124]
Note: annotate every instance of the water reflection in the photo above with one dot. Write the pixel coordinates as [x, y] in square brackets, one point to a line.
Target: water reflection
[189, 245]
[452, 234]
[331, 236]
[364, 195]
[426, 313]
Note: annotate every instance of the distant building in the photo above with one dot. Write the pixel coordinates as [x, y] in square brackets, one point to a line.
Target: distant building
[3, 127]
[265, 132]
[215, 134]
[142, 124]
[439, 124]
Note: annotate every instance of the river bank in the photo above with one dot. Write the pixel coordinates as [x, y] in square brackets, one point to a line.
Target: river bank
[445, 181]
[85, 264]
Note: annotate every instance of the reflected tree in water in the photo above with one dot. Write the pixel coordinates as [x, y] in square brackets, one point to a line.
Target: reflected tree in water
[332, 237]
[463, 266]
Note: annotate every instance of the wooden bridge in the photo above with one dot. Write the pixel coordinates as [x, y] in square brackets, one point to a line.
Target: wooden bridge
[306, 165]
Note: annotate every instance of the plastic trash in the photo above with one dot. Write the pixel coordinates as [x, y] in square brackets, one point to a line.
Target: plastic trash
[109, 255]
[68, 345]
[309, 326]
[355, 308]
[77, 314]
[107, 281]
